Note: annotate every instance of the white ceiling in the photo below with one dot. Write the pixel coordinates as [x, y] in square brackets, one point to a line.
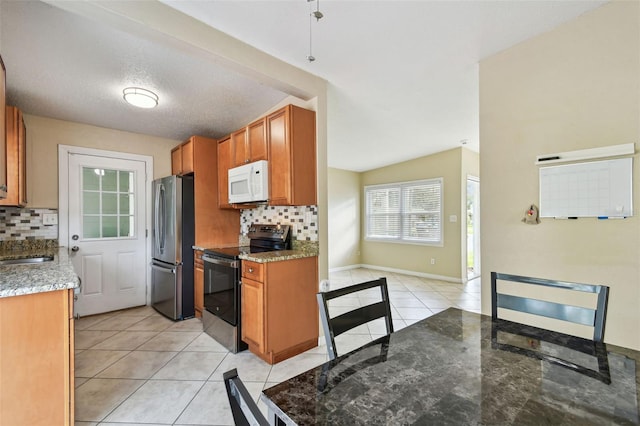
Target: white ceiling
[403, 75]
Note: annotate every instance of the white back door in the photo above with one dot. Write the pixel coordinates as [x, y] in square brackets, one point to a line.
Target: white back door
[106, 231]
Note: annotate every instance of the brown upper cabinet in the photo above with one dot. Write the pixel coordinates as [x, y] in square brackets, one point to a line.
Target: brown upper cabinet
[16, 159]
[182, 158]
[213, 226]
[249, 144]
[291, 135]
[287, 139]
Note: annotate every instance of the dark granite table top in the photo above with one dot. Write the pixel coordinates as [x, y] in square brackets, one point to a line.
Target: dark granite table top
[462, 368]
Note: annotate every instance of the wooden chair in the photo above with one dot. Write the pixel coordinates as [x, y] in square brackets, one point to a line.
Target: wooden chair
[244, 409]
[337, 325]
[593, 317]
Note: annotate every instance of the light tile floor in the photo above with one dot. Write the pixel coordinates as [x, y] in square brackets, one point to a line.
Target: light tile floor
[135, 367]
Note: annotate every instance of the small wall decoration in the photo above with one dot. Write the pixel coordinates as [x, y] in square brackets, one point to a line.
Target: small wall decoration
[531, 216]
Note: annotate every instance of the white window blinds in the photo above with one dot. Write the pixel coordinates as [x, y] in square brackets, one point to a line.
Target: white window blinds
[405, 212]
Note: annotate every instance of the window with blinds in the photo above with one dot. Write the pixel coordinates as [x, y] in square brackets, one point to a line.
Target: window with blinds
[408, 212]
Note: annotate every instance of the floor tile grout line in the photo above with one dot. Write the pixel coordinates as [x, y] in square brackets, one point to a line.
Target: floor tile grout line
[189, 403]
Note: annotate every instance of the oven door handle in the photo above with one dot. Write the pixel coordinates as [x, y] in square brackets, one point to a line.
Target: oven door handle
[223, 262]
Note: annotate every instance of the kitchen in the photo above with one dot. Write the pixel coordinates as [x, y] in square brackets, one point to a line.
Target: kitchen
[45, 134]
[48, 185]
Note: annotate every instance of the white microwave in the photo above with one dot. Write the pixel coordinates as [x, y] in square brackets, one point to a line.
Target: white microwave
[249, 183]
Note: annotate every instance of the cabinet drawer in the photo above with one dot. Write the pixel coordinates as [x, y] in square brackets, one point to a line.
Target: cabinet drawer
[252, 270]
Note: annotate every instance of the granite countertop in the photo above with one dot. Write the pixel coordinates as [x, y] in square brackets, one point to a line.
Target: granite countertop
[19, 280]
[280, 255]
[462, 368]
[300, 250]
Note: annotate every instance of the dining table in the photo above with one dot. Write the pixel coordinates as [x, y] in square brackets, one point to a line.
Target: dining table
[463, 368]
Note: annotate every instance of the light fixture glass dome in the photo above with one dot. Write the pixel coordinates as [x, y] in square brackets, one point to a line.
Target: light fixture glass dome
[142, 98]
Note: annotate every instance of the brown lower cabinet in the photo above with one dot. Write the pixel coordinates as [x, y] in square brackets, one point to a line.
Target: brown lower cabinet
[37, 359]
[198, 283]
[279, 308]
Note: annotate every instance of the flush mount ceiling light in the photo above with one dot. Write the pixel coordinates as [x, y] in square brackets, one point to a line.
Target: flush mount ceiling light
[142, 98]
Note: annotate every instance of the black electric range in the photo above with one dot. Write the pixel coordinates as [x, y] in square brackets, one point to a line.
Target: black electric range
[222, 316]
[262, 238]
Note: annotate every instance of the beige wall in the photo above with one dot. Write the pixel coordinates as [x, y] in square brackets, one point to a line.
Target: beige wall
[417, 258]
[344, 190]
[575, 87]
[45, 134]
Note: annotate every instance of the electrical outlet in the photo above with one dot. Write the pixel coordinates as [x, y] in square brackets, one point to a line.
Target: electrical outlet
[433, 260]
[49, 219]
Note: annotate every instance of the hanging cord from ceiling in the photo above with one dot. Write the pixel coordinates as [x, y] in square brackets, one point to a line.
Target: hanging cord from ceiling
[313, 14]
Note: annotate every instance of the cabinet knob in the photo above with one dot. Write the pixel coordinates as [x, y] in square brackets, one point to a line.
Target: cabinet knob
[250, 269]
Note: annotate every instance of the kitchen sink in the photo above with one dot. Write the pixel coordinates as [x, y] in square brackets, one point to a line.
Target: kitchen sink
[26, 261]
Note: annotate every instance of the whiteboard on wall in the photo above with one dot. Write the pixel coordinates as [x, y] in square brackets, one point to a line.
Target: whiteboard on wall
[591, 189]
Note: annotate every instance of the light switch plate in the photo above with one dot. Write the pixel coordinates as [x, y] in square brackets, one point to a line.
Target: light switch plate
[453, 218]
[50, 219]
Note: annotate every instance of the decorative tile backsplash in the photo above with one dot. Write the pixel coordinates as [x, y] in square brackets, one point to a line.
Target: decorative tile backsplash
[26, 224]
[304, 219]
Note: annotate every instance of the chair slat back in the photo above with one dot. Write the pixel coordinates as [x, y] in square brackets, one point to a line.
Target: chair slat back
[593, 317]
[335, 326]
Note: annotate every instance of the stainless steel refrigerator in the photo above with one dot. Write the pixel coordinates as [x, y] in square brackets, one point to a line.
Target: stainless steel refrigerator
[173, 239]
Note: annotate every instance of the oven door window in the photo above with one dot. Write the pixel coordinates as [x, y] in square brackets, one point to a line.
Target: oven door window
[221, 291]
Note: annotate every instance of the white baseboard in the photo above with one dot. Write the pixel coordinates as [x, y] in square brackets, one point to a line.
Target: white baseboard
[399, 271]
[345, 268]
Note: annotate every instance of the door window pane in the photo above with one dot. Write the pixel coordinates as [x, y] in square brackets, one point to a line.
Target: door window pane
[126, 204]
[108, 203]
[110, 180]
[91, 226]
[91, 178]
[109, 226]
[90, 202]
[126, 181]
[126, 225]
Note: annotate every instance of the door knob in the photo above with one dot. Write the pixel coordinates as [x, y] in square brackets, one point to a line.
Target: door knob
[75, 248]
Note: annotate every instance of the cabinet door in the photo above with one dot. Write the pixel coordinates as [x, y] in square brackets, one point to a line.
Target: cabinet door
[257, 140]
[187, 157]
[16, 159]
[198, 282]
[253, 313]
[239, 147]
[198, 288]
[36, 359]
[22, 160]
[224, 164]
[176, 160]
[279, 158]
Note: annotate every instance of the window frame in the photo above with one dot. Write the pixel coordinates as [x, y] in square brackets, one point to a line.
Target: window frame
[401, 186]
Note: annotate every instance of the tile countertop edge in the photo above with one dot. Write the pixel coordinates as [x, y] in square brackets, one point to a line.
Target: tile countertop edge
[20, 280]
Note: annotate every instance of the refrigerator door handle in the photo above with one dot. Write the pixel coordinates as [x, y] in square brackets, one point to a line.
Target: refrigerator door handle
[158, 227]
[163, 269]
[161, 217]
